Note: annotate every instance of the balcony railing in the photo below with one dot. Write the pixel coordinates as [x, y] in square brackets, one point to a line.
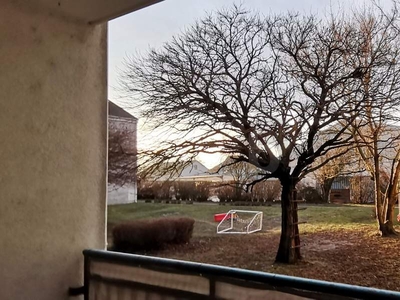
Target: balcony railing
[117, 276]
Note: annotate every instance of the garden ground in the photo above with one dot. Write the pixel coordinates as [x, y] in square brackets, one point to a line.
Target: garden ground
[339, 242]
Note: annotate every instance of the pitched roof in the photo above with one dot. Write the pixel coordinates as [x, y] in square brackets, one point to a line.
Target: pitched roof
[115, 110]
[220, 168]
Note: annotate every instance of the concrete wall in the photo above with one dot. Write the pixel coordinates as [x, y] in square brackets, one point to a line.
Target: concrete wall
[53, 128]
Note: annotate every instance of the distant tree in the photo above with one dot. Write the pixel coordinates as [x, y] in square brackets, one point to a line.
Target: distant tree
[122, 155]
[242, 173]
[336, 162]
[376, 131]
[361, 189]
[266, 191]
[258, 90]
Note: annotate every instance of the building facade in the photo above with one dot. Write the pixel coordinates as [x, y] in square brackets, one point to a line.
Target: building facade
[122, 156]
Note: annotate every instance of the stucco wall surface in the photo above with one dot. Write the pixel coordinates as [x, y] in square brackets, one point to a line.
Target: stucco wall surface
[53, 133]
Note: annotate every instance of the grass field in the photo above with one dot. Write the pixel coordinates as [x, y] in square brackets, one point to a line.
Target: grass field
[318, 217]
[340, 242]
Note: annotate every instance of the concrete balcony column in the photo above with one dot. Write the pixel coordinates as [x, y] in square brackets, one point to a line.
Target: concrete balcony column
[53, 133]
[53, 141]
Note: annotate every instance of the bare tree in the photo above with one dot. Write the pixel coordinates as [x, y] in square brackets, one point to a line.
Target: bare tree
[328, 172]
[375, 133]
[122, 155]
[361, 189]
[242, 173]
[267, 191]
[259, 90]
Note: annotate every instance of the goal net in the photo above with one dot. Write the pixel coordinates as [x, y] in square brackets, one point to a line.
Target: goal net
[241, 222]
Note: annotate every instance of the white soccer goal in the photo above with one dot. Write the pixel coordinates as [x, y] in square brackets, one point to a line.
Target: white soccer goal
[241, 222]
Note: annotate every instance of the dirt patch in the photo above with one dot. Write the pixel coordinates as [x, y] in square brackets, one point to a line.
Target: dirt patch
[353, 257]
[327, 244]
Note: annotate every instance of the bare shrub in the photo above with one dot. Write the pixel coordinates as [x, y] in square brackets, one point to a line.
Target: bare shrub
[146, 235]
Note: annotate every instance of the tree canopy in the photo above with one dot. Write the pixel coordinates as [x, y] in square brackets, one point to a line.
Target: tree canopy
[259, 89]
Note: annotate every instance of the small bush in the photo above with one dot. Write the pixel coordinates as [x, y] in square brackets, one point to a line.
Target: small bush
[310, 194]
[146, 235]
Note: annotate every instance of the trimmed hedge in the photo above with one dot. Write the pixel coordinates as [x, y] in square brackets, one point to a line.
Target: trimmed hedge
[146, 235]
[200, 191]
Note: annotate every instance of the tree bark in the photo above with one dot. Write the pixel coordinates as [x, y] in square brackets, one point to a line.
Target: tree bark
[384, 209]
[238, 191]
[386, 226]
[289, 244]
[326, 189]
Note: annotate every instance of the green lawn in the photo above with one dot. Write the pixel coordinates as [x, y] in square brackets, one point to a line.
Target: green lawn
[318, 217]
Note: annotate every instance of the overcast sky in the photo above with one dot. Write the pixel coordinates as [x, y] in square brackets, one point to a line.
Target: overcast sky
[156, 24]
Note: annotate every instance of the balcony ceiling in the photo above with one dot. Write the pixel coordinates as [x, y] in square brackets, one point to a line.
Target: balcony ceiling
[91, 11]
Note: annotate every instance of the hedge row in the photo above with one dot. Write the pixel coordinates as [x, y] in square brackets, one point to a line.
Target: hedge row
[181, 191]
[200, 191]
[167, 201]
[265, 192]
[146, 235]
[247, 203]
[234, 203]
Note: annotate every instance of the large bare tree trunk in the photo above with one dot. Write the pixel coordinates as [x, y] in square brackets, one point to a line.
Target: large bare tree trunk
[289, 245]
